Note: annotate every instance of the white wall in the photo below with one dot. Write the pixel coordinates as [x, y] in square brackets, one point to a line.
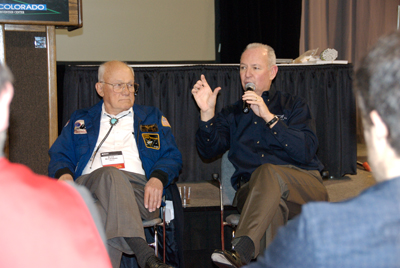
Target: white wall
[141, 30]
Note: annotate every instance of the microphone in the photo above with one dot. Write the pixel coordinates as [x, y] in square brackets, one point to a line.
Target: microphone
[246, 106]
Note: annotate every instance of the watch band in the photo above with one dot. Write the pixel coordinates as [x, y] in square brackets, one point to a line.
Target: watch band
[273, 120]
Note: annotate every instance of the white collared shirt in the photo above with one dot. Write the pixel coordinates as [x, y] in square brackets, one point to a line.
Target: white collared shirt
[121, 138]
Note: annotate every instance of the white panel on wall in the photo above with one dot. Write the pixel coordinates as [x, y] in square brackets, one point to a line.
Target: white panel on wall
[141, 30]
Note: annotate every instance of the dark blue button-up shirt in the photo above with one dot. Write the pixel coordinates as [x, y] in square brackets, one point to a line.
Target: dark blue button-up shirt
[251, 143]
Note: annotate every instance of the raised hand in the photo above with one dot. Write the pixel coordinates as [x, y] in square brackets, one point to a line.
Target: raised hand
[205, 98]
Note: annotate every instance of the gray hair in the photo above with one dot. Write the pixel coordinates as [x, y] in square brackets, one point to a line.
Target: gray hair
[270, 51]
[377, 86]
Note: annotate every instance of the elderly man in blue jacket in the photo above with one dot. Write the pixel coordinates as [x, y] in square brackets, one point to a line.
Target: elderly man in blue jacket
[125, 154]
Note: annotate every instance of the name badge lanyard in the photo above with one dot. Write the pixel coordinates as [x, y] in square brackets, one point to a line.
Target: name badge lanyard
[113, 122]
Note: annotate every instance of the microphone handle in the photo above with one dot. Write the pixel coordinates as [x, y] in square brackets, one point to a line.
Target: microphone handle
[246, 107]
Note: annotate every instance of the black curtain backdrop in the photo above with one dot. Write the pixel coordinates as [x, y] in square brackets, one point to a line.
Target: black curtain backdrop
[273, 22]
[327, 88]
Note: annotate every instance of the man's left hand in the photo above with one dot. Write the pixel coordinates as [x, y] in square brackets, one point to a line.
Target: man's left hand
[153, 194]
[258, 105]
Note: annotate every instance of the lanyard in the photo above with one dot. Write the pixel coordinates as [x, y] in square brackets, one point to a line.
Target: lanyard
[113, 122]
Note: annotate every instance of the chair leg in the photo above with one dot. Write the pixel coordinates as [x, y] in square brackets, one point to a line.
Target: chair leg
[222, 230]
[163, 225]
[155, 240]
[222, 216]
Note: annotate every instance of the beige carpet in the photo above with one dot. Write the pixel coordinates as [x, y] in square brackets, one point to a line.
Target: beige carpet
[348, 186]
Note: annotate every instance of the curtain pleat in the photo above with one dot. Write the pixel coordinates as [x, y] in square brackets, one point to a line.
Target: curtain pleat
[349, 26]
[327, 89]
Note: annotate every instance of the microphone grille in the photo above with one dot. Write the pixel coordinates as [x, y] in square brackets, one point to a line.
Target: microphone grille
[250, 86]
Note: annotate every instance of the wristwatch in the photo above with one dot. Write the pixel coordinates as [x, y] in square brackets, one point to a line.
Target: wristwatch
[273, 120]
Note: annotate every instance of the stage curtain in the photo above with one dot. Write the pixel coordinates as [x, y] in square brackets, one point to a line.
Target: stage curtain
[273, 22]
[327, 88]
[328, 91]
[351, 28]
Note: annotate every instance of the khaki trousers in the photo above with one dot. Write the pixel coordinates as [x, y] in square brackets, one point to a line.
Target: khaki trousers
[119, 197]
[272, 196]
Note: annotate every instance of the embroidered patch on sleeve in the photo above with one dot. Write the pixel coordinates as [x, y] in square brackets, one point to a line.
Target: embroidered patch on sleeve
[165, 122]
[152, 141]
[149, 128]
[80, 127]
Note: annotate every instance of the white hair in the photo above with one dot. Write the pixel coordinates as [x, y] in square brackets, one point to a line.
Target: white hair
[270, 51]
[103, 67]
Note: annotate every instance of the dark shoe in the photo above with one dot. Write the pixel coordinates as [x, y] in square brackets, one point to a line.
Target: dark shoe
[154, 262]
[227, 259]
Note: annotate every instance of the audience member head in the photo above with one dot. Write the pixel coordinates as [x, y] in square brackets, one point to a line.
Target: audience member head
[6, 95]
[116, 86]
[377, 87]
[258, 66]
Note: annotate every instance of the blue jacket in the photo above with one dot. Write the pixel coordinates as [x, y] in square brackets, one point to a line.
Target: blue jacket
[71, 152]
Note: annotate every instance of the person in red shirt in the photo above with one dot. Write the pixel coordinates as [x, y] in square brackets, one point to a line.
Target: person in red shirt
[44, 223]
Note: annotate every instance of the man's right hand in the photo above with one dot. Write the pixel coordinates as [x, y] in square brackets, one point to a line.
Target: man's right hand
[66, 177]
[205, 98]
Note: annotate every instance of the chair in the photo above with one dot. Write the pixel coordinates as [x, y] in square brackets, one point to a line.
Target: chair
[155, 223]
[129, 261]
[227, 194]
[171, 238]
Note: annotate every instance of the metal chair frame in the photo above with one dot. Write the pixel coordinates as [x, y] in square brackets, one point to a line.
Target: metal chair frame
[226, 198]
[155, 223]
[230, 220]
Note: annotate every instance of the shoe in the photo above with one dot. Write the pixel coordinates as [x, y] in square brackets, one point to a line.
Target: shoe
[154, 262]
[227, 259]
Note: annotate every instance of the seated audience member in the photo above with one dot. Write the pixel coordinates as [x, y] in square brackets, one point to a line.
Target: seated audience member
[363, 231]
[273, 147]
[44, 223]
[125, 154]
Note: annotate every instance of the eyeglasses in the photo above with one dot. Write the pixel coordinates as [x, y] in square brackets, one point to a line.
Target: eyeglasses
[118, 87]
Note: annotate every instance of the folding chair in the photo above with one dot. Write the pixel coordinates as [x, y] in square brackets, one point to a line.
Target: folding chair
[227, 194]
[155, 223]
